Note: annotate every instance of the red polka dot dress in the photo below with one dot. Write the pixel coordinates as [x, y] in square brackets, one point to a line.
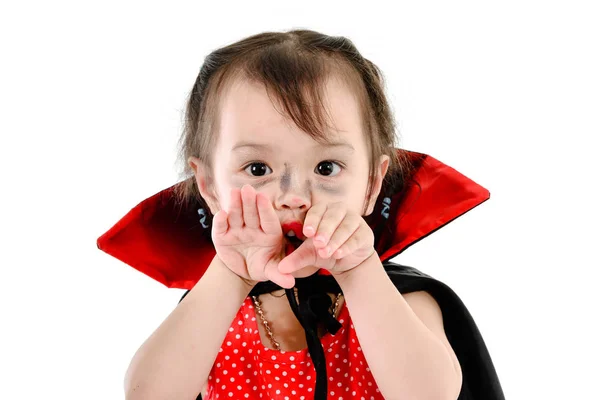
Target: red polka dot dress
[246, 369]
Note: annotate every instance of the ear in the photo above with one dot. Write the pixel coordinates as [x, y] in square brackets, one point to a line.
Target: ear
[380, 172]
[205, 184]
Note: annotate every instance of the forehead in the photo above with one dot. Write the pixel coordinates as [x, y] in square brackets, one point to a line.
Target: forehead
[247, 112]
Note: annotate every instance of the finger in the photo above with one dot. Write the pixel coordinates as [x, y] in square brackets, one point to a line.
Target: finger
[267, 216]
[361, 236]
[311, 221]
[303, 256]
[332, 218]
[286, 281]
[345, 230]
[236, 219]
[250, 213]
[219, 223]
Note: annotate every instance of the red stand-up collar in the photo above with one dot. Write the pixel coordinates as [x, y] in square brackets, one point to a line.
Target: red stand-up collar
[170, 245]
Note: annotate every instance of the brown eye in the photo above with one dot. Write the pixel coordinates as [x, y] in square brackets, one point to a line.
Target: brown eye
[328, 168]
[257, 169]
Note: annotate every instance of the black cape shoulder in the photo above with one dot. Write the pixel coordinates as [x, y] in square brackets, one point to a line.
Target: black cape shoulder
[480, 380]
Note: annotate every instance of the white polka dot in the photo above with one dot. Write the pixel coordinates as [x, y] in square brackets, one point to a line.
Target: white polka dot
[232, 379]
[224, 372]
[240, 323]
[284, 373]
[241, 373]
[291, 358]
[268, 371]
[230, 394]
[235, 351]
[228, 343]
[237, 336]
[272, 357]
[231, 329]
[276, 365]
[276, 378]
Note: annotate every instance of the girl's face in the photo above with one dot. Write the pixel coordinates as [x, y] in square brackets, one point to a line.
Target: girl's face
[259, 146]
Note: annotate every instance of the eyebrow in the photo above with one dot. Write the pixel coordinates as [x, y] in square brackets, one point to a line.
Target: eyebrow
[268, 147]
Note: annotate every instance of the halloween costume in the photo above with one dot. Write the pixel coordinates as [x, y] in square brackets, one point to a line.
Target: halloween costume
[174, 247]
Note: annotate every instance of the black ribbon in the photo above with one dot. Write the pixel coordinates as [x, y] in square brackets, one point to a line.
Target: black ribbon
[311, 309]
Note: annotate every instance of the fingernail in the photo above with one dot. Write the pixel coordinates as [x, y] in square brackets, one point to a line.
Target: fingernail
[309, 229]
[320, 239]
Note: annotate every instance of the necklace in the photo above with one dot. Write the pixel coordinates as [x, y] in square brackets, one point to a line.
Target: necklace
[260, 312]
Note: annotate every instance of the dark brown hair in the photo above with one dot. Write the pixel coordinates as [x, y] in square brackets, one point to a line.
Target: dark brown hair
[293, 66]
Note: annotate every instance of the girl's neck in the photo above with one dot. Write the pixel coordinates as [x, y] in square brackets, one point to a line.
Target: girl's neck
[285, 326]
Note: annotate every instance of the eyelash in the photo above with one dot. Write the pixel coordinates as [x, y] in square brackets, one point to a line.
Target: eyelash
[339, 164]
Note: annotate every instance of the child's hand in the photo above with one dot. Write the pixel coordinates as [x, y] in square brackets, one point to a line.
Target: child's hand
[249, 239]
[337, 240]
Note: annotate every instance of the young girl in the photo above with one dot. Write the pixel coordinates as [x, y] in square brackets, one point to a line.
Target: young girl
[303, 199]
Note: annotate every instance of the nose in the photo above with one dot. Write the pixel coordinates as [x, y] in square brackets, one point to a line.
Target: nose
[293, 197]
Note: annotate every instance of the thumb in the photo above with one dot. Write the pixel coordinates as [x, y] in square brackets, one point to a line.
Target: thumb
[303, 256]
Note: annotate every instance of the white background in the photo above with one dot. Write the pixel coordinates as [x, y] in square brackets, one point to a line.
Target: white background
[91, 98]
